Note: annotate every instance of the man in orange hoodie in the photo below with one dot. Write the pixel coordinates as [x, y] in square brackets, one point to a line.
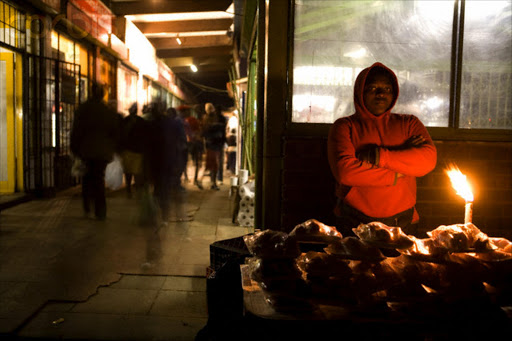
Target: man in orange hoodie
[375, 156]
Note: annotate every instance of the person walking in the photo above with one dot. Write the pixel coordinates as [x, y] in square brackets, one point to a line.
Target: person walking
[231, 151]
[95, 137]
[179, 145]
[133, 139]
[195, 143]
[232, 129]
[160, 157]
[214, 136]
[223, 121]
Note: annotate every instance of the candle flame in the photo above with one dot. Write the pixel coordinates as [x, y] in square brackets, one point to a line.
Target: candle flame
[429, 289]
[460, 183]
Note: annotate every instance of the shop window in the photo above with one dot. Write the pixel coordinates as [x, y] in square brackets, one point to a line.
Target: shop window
[335, 40]
[126, 88]
[62, 49]
[486, 94]
[82, 59]
[12, 26]
[107, 76]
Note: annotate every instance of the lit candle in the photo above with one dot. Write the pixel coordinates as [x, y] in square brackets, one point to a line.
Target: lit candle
[463, 188]
[468, 214]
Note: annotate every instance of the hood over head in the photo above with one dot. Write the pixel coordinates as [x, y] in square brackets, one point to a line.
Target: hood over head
[359, 89]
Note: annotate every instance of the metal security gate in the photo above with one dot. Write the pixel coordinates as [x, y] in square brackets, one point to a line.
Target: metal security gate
[51, 98]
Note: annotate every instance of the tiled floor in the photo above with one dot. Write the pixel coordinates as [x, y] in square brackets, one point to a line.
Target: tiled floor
[64, 276]
[136, 304]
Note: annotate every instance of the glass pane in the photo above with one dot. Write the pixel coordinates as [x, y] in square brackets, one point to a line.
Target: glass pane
[486, 94]
[67, 49]
[55, 40]
[82, 60]
[334, 40]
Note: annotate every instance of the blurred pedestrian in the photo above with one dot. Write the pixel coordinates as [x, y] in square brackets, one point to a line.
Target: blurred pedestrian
[195, 143]
[214, 135]
[133, 139]
[232, 129]
[231, 151]
[223, 121]
[179, 143]
[95, 137]
[160, 157]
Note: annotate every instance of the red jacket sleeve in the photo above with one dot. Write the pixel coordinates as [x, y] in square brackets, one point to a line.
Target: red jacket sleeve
[413, 161]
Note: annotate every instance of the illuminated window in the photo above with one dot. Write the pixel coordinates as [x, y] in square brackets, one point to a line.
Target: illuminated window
[486, 94]
[67, 49]
[82, 59]
[334, 40]
[12, 26]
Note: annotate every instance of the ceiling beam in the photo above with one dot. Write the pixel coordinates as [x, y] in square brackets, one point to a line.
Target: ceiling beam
[212, 60]
[169, 6]
[184, 25]
[180, 61]
[201, 68]
[195, 52]
[221, 61]
[190, 42]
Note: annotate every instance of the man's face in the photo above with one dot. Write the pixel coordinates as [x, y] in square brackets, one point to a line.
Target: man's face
[378, 93]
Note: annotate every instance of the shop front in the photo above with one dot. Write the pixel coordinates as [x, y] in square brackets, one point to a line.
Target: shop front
[127, 79]
[106, 74]
[13, 36]
[66, 57]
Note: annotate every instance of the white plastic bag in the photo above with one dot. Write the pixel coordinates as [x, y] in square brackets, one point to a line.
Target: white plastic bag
[114, 174]
[78, 168]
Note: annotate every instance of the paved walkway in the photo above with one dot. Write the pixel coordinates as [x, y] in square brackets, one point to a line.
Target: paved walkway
[65, 276]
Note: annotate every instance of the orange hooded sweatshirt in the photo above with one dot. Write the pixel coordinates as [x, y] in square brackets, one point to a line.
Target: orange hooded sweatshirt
[378, 192]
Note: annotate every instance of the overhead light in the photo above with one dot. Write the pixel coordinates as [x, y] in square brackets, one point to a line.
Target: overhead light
[185, 34]
[193, 67]
[179, 16]
[178, 40]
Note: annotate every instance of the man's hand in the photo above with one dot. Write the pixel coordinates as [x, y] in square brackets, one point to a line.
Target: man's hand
[369, 155]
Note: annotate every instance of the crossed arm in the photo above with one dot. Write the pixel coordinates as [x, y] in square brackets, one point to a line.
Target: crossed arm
[375, 165]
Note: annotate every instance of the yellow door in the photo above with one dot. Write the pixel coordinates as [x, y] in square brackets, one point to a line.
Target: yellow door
[7, 125]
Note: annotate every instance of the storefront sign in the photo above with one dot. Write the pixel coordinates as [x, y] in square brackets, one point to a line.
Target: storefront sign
[97, 11]
[141, 53]
[164, 74]
[81, 20]
[92, 16]
[177, 91]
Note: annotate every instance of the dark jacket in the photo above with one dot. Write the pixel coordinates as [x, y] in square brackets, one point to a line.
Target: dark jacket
[96, 131]
[214, 132]
[134, 133]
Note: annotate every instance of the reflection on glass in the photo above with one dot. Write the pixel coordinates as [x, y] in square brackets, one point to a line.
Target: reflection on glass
[486, 96]
[335, 40]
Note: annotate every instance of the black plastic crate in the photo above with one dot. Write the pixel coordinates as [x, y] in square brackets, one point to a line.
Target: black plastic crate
[223, 251]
